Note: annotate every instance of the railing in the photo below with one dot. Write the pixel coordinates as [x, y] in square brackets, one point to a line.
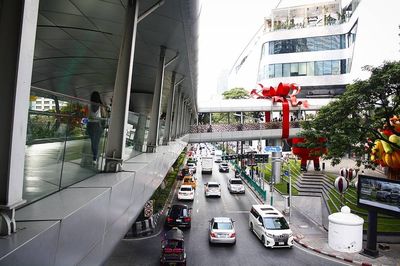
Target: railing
[63, 145]
[239, 127]
[256, 186]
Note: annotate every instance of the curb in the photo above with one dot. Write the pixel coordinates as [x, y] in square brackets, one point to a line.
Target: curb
[330, 254]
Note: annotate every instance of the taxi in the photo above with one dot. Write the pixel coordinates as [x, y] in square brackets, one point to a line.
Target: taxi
[189, 180]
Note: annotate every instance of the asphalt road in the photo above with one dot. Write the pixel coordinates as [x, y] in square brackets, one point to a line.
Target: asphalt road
[247, 251]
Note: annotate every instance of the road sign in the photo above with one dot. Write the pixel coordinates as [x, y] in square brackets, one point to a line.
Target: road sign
[273, 149]
[286, 173]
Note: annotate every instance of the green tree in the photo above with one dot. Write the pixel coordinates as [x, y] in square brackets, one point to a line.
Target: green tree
[236, 93]
[358, 115]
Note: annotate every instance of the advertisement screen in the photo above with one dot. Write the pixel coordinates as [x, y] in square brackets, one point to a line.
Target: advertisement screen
[382, 195]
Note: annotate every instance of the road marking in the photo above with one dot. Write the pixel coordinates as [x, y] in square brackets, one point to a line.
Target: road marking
[237, 211]
[197, 210]
[255, 199]
[296, 245]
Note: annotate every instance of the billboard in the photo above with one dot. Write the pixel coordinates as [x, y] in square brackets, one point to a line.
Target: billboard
[380, 194]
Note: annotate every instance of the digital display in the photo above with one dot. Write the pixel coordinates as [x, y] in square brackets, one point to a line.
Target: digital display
[380, 194]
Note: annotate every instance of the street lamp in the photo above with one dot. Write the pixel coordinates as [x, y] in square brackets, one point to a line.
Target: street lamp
[284, 160]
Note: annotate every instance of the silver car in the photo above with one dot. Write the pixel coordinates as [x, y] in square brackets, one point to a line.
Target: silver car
[212, 189]
[222, 230]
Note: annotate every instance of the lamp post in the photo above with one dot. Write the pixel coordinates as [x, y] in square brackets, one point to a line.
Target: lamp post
[284, 160]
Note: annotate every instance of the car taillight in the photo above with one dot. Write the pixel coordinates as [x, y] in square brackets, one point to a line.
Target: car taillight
[213, 234]
[169, 219]
[232, 235]
[186, 219]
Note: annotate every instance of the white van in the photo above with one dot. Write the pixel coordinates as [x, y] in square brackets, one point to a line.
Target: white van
[270, 226]
[218, 156]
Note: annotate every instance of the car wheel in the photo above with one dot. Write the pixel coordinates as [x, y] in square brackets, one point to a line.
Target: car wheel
[263, 240]
[251, 227]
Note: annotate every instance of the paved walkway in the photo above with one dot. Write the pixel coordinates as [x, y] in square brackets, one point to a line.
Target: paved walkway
[306, 225]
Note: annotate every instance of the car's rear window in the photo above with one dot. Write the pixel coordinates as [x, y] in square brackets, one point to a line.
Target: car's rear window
[188, 180]
[236, 181]
[222, 225]
[224, 164]
[178, 211]
[186, 189]
[213, 185]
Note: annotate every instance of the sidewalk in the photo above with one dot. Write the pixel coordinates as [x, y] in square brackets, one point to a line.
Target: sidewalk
[310, 234]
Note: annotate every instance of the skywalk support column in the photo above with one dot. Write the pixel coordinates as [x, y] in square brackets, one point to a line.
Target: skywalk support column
[168, 119]
[152, 142]
[175, 115]
[18, 20]
[122, 90]
[180, 116]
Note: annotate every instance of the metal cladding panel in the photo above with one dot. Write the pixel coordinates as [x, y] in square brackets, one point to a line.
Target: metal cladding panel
[81, 230]
[94, 257]
[33, 245]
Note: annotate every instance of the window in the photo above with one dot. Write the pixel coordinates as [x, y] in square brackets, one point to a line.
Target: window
[271, 71]
[310, 68]
[318, 71]
[335, 67]
[278, 70]
[343, 66]
[322, 43]
[336, 42]
[302, 69]
[286, 70]
[294, 69]
[327, 70]
[275, 223]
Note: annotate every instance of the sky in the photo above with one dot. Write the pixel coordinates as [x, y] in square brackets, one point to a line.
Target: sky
[226, 26]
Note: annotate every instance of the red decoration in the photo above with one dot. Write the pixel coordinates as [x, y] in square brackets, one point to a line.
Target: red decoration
[280, 95]
[308, 153]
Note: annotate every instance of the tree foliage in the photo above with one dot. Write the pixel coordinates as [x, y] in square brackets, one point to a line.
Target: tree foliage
[236, 93]
[358, 115]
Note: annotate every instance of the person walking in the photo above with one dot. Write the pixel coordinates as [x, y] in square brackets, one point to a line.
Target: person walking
[94, 127]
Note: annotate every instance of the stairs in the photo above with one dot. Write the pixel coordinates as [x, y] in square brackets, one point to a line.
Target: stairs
[313, 185]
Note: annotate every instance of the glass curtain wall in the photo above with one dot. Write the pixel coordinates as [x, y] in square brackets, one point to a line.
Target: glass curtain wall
[60, 148]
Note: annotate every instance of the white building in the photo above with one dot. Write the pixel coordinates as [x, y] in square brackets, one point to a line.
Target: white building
[320, 46]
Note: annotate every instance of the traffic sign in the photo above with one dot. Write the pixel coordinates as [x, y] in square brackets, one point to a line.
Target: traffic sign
[273, 149]
[286, 173]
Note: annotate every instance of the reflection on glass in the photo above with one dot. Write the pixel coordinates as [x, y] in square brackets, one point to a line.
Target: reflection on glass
[58, 151]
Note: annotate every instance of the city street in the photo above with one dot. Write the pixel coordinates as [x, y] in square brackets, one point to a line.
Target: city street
[247, 251]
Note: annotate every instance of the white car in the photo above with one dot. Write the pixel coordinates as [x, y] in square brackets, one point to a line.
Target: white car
[192, 167]
[270, 226]
[235, 185]
[186, 192]
[222, 230]
[212, 189]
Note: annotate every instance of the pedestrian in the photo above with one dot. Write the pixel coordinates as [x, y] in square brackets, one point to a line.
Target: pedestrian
[94, 125]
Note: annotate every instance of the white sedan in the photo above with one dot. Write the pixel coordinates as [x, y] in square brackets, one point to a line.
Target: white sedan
[186, 192]
[212, 189]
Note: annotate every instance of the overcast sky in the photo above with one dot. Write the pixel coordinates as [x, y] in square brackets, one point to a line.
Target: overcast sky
[226, 26]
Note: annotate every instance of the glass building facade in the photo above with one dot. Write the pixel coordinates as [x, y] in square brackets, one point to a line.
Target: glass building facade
[313, 68]
[310, 44]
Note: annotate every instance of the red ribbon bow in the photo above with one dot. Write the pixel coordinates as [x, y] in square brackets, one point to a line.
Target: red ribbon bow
[280, 95]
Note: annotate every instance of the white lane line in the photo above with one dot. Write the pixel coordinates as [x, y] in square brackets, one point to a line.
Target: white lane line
[320, 255]
[197, 210]
[254, 198]
[142, 238]
[237, 211]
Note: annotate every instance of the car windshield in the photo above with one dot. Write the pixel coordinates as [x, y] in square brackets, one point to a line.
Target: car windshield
[224, 164]
[190, 164]
[178, 211]
[213, 185]
[222, 225]
[236, 182]
[187, 180]
[275, 223]
[186, 189]
[174, 244]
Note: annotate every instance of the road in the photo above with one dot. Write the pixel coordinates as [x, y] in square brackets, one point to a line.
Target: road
[247, 251]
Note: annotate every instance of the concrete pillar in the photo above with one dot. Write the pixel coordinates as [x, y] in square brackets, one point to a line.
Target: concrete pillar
[138, 139]
[276, 167]
[168, 119]
[181, 115]
[122, 90]
[178, 113]
[18, 20]
[210, 118]
[175, 114]
[152, 141]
